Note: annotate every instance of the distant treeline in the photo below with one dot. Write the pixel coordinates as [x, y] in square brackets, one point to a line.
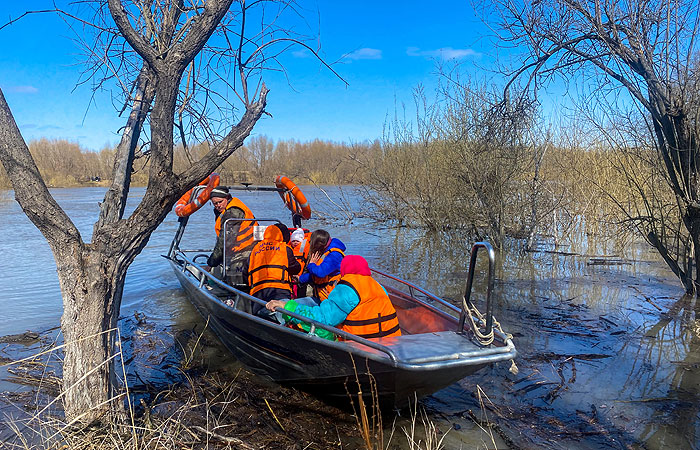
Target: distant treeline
[483, 175]
[66, 164]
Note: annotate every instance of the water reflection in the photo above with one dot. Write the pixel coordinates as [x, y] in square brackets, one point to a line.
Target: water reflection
[609, 352]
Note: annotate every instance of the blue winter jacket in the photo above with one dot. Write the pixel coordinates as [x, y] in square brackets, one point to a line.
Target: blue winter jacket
[329, 266]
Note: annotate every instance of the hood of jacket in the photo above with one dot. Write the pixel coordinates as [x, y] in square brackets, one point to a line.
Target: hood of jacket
[354, 264]
[273, 233]
[336, 243]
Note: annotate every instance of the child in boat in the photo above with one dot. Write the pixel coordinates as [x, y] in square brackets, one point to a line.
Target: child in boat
[358, 305]
[299, 242]
[323, 267]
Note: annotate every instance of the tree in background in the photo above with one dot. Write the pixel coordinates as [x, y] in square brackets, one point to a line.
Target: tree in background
[640, 60]
[171, 59]
[465, 162]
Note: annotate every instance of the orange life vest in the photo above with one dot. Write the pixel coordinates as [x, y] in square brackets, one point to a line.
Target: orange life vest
[324, 286]
[374, 316]
[244, 239]
[269, 266]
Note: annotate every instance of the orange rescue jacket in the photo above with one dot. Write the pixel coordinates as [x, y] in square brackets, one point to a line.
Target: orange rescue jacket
[244, 240]
[268, 264]
[374, 316]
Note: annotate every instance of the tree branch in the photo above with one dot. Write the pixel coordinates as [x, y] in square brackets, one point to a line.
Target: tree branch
[30, 190]
[136, 40]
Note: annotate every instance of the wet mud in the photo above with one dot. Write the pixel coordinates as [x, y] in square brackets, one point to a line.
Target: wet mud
[179, 378]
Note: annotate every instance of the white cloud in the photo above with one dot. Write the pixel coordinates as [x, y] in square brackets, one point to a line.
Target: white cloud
[303, 53]
[445, 53]
[49, 127]
[21, 89]
[365, 53]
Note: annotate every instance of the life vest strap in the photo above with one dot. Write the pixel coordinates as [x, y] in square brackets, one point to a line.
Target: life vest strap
[249, 224]
[381, 333]
[271, 282]
[345, 283]
[268, 266]
[376, 320]
[326, 284]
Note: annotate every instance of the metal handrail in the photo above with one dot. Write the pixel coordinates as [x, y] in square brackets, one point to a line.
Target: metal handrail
[235, 219]
[313, 323]
[421, 290]
[470, 280]
[175, 244]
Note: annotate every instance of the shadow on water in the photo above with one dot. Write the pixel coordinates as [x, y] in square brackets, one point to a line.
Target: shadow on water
[609, 349]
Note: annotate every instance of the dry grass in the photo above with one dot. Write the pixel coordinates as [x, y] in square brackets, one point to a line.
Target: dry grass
[369, 419]
[203, 409]
[194, 407]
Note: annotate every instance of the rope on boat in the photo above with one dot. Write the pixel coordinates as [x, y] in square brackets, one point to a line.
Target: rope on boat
[485, 338]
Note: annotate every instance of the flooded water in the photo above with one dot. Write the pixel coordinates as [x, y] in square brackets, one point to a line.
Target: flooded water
[609, 350]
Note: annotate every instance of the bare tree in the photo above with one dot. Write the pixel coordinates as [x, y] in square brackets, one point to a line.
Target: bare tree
[260, 151]
[646, 51]
[182, 56]
[466, 154]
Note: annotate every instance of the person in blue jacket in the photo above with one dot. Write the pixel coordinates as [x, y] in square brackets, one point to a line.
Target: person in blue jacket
[358, 297]
[323, 268]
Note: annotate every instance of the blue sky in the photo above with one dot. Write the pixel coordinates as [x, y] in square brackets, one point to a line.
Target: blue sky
[391, 47]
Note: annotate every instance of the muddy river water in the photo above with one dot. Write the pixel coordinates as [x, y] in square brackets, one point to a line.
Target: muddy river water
[609, 349]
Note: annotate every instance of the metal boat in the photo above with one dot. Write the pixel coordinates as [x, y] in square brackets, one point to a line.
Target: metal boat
[440, 343]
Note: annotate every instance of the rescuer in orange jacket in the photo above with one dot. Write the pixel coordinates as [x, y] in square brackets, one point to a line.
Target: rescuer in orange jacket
[239, 235]
[271, 266]
[358, 304]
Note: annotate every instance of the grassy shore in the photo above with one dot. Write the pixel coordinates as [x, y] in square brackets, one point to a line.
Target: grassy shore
[182, 396]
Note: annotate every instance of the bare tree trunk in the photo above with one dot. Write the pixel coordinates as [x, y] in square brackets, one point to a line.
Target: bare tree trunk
[91, 300]
[89, 308]
[683, 275]
[692, 223]
[92, 275]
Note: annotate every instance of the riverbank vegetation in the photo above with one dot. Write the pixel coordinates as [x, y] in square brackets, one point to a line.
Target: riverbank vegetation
[63, 163]
[495, 172]
[465, 160]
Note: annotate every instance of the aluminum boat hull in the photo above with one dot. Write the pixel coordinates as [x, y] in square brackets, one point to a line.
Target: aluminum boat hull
[419, 365]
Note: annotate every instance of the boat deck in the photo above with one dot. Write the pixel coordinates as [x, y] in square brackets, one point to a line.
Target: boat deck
[435, 347]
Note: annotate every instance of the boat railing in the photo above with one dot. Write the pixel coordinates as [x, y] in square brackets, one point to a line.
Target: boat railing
[466, 304]
[205, 276]
[234, 220]
[412, 289]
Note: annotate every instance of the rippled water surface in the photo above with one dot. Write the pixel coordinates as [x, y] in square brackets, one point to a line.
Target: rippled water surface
[609, 352]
